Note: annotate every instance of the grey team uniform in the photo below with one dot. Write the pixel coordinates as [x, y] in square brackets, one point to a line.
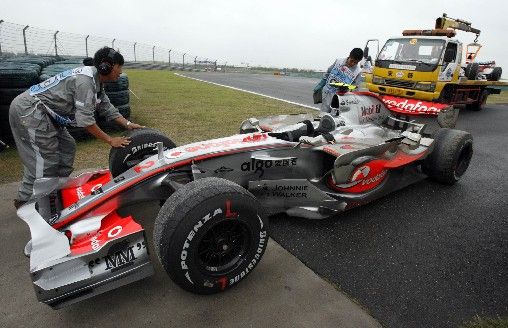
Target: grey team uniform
[338, 72]
[45, 146]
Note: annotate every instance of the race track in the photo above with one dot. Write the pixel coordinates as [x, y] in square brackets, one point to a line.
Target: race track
[426, 256]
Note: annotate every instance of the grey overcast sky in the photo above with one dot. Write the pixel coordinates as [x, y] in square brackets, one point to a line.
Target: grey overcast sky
[281, 33]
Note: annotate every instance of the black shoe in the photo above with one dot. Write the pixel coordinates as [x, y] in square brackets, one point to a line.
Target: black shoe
[18, 203]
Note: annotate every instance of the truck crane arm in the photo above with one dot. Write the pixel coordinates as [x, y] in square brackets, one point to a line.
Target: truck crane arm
[445, 22]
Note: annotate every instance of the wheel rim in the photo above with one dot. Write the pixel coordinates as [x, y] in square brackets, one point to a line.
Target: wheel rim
[223, 247]
[463, 161]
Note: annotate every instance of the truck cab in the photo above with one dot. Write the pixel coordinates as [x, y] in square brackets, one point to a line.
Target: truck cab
[416, 67]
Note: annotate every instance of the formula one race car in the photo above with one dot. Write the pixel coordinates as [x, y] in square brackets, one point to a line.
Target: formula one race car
[211, 230]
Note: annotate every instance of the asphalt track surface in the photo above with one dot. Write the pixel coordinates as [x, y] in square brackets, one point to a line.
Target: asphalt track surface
[428, 255]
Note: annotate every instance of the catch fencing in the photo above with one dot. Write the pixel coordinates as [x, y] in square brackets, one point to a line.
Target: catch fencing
[16, 39]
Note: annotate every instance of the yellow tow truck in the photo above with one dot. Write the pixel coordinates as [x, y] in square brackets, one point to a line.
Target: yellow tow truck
[424, 71]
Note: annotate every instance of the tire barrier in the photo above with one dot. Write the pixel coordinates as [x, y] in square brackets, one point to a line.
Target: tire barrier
[18, 73]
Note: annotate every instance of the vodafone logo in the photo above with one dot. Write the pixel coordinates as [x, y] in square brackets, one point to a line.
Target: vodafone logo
[113, 232]
[412, 105]
[365, 177]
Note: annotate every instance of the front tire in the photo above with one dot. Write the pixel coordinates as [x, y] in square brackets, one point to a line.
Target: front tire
[450, 156]
[209, 235]
[143, 145]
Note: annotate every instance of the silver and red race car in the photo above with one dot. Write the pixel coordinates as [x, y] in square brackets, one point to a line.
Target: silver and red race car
[211, 230]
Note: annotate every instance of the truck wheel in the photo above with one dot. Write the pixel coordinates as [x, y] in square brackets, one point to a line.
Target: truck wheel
[481, 103]
[450, 156]
[142, 146]
[472, 70]
[496, 74]
[209, 235]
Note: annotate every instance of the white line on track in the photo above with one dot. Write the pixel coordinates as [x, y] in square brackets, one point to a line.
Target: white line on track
[252, 92]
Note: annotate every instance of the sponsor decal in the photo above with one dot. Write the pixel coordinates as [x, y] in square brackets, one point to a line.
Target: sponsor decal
[80, 193]
[365, 177]
[412, 105]
[405, 67]
[174, 154]
[143, 146]
[223, 282]
[119, 259]
[399, 74]
[347, 146]
[113, 232]
[229, 213]
[227, 143]
[348, 101]
[259, 166]
[142, 167]
[413, 41]
[255, 137]
[262, 240]
[119, 179]
[188, 240]
[369, 110]
[94, 243]
[223, 169]
[284, 191]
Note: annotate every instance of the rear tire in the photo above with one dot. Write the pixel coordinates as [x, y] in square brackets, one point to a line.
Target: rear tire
[142, 146]
[480, 103]
[209, 235]
[496, 74]
[450, 156]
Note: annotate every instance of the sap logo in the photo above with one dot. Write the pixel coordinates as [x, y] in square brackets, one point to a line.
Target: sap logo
[120, 258]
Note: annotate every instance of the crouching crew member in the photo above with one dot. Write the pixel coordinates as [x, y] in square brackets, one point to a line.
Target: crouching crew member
[39, 117]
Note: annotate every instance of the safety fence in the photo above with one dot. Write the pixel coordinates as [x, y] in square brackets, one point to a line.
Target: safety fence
[16, 39]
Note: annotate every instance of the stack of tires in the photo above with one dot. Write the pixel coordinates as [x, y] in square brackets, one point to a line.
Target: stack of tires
[118, 94]
[17, 74]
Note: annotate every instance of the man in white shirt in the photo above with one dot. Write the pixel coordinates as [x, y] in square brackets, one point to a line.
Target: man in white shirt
[345, 70]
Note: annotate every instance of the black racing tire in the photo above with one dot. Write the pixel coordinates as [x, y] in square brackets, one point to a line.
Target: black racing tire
[118, 98]
[472, 70]
[142, 146]
[481, 103]
[209, 235]
[17, 76]
[125, 110]
[6, 133]
[7, 95]
[496, 74]
[121, 84]
[450, 156]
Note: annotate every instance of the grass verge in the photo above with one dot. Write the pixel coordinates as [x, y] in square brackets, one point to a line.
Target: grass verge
[184, 109]
[501, 98]
[478, 322]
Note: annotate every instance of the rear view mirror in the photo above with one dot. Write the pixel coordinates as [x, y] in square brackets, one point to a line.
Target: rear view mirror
[366, 52]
